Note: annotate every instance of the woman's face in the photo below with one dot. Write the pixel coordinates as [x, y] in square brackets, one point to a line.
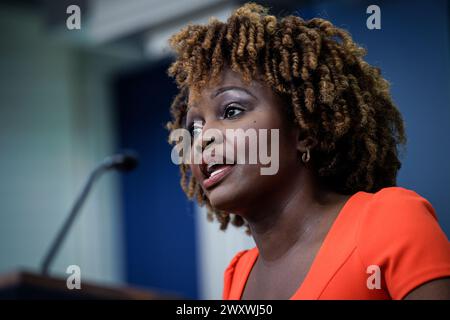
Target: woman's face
[231, 104]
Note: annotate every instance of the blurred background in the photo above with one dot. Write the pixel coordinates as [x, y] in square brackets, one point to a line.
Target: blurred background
[68, 98]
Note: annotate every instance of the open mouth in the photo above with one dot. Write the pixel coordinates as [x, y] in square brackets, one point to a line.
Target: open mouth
[215, 173]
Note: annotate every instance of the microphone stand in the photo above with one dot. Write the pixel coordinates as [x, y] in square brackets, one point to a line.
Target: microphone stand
[72, 215]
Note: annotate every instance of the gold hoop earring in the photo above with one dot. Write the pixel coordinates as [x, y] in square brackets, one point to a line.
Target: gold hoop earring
[306, 156]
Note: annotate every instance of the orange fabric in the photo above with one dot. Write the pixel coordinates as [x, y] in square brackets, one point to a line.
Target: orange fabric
[395, 229]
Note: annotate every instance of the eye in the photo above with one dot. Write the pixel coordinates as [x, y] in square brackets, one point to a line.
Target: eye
[232, 110]
[196, 128]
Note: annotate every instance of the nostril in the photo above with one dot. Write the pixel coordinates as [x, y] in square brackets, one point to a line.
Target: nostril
[207, 141]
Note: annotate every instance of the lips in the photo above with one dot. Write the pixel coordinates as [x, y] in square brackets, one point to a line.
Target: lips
[216, 174]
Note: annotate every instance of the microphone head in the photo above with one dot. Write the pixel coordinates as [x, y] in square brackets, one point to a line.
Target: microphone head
[125, 161]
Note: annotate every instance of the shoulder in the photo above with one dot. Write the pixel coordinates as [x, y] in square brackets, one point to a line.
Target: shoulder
[395, 211]
[398, 199]
[399, 232]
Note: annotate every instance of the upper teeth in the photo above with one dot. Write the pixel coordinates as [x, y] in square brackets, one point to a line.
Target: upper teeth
[210, 165]
[216, 172]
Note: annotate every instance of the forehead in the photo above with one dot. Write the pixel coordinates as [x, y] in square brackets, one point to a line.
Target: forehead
[227, 78]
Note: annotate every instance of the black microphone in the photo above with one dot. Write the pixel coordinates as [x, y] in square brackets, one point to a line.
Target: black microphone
[126, 161]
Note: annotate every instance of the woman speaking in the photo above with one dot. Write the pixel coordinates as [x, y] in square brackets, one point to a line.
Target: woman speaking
[331, 223]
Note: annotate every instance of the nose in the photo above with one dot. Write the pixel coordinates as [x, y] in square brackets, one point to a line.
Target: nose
[207, 141]
[208, 137]
[202, 143]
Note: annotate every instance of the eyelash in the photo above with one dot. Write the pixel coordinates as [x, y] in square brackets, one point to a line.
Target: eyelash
[232, 105]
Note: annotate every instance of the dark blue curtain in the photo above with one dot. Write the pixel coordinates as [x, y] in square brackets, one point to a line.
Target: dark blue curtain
[158, 221]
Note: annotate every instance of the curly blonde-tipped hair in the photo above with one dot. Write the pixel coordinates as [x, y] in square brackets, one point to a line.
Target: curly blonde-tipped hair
[333, 94]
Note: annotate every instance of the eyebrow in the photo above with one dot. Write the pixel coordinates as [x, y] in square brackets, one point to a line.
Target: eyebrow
[228, 88]
[220, 91]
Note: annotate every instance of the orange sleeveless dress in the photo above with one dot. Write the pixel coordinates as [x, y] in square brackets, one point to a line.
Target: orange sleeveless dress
[392, 234]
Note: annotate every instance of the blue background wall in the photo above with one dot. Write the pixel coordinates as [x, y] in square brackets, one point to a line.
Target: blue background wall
[159, 225]
[412, 50]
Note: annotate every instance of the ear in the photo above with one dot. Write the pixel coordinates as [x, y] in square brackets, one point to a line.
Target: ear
[305, 142]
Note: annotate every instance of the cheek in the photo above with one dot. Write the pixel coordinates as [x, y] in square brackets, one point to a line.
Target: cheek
[272, 121]
[251, 126]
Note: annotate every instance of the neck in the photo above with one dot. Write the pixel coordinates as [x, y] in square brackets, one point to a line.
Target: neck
[299, 217]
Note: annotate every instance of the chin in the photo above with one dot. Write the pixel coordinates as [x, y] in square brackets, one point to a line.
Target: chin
[224, 197]
[237, 192]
